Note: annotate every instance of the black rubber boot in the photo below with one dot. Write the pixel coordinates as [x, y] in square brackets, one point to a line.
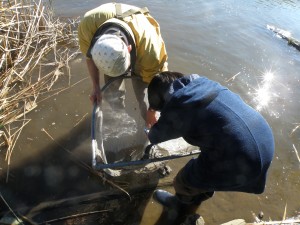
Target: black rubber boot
[170, 201]
[175, 211]
[166, 199]
[178, 207]
[171, 207]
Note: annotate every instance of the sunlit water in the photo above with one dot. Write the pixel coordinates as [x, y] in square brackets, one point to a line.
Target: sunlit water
[227, 41]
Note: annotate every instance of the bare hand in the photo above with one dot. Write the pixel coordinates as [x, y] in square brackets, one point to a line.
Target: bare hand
[96, 96]
[150, 118]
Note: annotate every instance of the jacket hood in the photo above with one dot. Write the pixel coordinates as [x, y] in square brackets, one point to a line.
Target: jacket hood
[193, 89]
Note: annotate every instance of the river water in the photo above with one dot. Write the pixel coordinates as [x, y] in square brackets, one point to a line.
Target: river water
[227, 41]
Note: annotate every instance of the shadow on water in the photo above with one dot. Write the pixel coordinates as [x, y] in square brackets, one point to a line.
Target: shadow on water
[52, 184]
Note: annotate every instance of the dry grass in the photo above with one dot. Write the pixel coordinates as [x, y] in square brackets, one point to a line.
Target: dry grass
[34, 49]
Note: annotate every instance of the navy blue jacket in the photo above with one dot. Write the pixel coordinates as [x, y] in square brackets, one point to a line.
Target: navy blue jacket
[236, 142]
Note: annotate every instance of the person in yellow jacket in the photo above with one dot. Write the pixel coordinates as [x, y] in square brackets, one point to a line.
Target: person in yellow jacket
[119, 38]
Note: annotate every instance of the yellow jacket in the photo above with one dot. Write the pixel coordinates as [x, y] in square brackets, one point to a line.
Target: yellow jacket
[150, 48]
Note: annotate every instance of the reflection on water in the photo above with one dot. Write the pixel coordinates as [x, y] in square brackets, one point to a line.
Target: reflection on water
[262, 96]
[293, 4]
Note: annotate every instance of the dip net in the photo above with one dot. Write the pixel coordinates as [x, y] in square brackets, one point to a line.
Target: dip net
[118, 137]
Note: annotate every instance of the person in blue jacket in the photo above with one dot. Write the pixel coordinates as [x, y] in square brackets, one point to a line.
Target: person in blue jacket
[236, 142]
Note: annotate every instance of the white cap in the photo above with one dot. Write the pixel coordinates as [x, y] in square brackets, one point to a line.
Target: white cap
[111, 55]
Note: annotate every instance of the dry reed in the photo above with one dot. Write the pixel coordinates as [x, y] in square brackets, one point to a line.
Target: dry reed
[34, 49]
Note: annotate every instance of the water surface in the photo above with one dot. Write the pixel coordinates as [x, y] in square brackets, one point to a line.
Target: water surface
[227, 41]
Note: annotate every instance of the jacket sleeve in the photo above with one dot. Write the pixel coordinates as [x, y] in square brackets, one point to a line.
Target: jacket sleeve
[169, 126]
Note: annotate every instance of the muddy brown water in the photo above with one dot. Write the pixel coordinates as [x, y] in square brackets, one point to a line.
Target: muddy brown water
[226, 41]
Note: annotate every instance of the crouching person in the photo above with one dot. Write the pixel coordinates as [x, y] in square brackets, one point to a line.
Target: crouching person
[236, 142]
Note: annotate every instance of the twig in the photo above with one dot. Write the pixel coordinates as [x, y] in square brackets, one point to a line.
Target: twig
[296, 153]
[284, 213]
[81, 119]
[74, 216]
[64, 89]
[10, 209]
[13, 138]
[233, 77]
[294, 130]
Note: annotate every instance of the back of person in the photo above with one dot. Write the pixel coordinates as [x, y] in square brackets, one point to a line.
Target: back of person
[236, 142]
[119, 39]
[151, 55]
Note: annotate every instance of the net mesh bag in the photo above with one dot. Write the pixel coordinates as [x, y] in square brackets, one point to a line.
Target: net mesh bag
[114, 139]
